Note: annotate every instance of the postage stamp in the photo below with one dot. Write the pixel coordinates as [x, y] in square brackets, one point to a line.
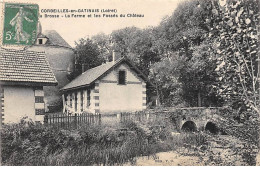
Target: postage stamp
[20, 24]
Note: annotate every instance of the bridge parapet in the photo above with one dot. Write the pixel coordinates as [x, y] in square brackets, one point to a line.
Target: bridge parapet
[195, 118]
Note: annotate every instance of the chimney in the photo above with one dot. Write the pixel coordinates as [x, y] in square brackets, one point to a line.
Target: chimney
[82, 68]
[115, 56]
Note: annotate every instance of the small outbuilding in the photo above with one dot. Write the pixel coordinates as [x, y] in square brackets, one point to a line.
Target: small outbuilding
[113, 87]
[23, 74]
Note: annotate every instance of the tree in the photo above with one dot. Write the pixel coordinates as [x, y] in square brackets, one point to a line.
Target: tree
[123, 40]
[88, 56]
[137, 45]
[198, 77]
[104, 44]
[184, 32]
[236, 47]
[165, 75]
[186, 26]
[236, 33]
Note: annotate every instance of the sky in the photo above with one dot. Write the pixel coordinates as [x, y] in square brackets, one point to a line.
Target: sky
[72, 29]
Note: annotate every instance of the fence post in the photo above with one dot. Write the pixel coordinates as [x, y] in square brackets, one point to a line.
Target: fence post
[57, 120]
[53, 119]
[147, 115]
[75, 120]
[118, 116]
[61, 117]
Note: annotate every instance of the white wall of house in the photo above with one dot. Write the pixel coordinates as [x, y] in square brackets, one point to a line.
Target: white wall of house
[19, 102]
[119, 98]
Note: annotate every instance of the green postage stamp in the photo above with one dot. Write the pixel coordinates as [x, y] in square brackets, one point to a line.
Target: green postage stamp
[20, 24]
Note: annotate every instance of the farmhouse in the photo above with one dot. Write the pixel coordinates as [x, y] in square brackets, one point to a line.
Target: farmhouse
[22, 77]
[116, 86]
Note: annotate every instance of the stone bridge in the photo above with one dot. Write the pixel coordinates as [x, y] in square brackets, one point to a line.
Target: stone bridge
[197, 119]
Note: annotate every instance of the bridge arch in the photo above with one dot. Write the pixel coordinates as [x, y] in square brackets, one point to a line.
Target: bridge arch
[212, 128]
[189, 126]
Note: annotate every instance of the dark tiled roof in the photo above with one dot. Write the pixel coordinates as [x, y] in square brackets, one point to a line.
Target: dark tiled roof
[25, 66]
[91, 75]
[55, 39]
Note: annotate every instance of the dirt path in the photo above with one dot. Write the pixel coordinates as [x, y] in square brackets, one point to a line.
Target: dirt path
[170, 158]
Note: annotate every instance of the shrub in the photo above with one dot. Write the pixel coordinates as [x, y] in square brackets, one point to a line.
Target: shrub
[29, 144]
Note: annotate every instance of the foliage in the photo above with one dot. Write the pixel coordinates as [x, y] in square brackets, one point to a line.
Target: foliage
[29, 144]
[88, 56]
[198, 77]
[103, 42]
[165, 74]
[236, 47]
[136, 44]
[179, 79]
[245, 128]
[235, 44]
[186, 26]
[183, 33]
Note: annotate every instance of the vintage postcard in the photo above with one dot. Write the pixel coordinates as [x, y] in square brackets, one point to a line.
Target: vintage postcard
[129, 83]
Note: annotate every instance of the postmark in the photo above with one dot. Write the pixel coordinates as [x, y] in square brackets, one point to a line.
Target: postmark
[20, 24]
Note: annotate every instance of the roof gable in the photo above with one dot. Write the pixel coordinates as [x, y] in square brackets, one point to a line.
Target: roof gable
[131, 75]
[90, 76]
[25, 66]
[54, 38]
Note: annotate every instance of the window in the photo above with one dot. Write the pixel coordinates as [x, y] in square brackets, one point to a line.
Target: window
[122, 77]
[76, 101]
[40, 41]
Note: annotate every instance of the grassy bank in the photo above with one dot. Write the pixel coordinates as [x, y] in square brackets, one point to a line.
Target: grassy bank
[30, 144]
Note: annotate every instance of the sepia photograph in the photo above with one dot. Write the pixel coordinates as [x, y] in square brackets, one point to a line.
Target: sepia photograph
[129, 83]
